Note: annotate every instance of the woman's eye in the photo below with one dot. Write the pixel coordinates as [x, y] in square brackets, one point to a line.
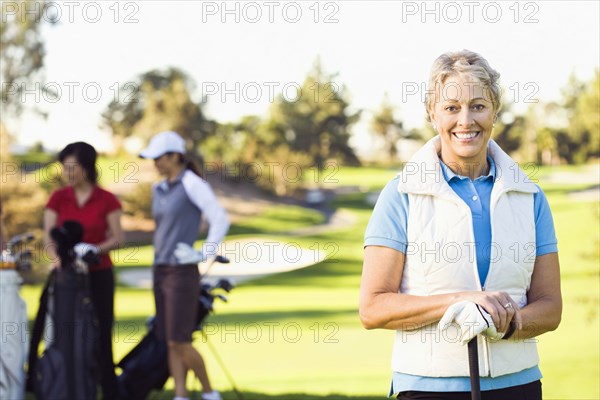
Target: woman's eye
[479, 107]
[451, 108]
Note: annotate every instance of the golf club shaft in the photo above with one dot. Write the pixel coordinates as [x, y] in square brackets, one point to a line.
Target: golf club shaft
[213, 261]
[222, 365]
[474, 369]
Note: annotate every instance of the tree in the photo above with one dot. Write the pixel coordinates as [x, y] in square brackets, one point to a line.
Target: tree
[547, 119]
[581, 103]
[508, 129]
[385, 124]
[250, 151]
[22, 52]
[317, 121]
[587, 114]
[158, 101]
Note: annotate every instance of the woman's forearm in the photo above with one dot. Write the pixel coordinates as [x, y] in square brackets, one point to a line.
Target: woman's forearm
[403, 311]
[544, 300]
[539, 317]
[116, 236]
[50, 218]
[108, 245]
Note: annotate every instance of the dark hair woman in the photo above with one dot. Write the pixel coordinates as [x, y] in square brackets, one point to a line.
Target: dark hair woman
[178, 204]
[99, 212]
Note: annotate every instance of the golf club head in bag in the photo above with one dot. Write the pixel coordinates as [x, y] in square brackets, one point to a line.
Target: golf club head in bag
[207, 298]
[67, 237]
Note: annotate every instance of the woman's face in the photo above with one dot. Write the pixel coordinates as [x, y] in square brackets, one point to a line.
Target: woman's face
[167, 164]
[73, 171]
[463, 115]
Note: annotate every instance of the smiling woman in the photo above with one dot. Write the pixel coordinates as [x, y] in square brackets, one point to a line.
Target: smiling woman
[461, 245]
[463, 108]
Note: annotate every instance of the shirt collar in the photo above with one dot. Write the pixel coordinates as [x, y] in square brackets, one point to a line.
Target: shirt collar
[449, 174]
[165, 185]
[93, 195]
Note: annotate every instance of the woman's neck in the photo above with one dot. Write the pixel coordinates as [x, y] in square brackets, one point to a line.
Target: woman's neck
[172, 175]
[472, 168]
[83, 187]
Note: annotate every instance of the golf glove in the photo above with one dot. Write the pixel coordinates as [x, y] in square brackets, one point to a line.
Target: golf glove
[472, 320]
[88, 253]
[185, 254]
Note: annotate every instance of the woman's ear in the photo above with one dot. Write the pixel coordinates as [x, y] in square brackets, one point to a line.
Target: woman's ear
[432, 119]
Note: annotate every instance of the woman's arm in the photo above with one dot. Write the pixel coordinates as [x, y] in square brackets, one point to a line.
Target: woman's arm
[544, 300]
[50, 218]
[202, 196]
[381, 306]
[116, 236]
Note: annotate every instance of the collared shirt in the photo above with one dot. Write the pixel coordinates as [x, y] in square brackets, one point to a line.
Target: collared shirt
[177, 219]
[92, 215]
[388, 227]
[177, 208]
[476, 194]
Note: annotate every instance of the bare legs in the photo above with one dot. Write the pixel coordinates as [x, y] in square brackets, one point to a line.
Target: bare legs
[183, 356]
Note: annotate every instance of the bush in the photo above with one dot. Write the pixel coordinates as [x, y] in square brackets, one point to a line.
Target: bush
[23, 199]
[138, 202]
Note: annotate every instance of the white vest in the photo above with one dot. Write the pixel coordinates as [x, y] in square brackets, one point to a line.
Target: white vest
[440, 258]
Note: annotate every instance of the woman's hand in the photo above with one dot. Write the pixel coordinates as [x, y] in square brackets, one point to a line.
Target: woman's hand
[472, 320]
[499, 305]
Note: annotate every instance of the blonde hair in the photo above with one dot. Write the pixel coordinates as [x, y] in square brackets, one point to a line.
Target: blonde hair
[462, 63]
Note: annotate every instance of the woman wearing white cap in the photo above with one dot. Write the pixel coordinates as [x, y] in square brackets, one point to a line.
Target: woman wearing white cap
[178, 204]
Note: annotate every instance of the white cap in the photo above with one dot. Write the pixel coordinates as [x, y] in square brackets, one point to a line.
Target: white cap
[162, 143]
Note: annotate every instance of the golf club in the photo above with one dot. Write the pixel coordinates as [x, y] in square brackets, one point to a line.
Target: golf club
[474, 369]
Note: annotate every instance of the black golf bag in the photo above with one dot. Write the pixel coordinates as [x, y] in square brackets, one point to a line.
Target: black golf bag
[145, 367]
[67, 370]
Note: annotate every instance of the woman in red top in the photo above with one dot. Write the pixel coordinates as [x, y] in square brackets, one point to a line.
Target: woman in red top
[99, 212]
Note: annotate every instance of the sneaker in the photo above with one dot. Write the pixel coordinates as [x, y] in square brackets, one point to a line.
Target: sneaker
[214, 395]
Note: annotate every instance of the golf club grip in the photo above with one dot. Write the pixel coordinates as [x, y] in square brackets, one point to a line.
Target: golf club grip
[474, 369]
[222, 259]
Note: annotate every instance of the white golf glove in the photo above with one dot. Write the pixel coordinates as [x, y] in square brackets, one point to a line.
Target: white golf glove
[472, 320]
[82, 249]
[185, 254]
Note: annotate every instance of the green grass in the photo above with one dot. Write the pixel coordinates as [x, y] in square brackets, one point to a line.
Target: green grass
[367, 178]
[278, 219]
[297, 335]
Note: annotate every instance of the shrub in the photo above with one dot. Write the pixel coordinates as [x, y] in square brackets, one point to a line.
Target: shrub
[138, 202]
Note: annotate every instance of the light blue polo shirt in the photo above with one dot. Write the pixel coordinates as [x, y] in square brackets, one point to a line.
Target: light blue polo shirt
[388, 226]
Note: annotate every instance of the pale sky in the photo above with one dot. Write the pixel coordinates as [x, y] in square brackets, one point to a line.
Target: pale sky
[376, 47]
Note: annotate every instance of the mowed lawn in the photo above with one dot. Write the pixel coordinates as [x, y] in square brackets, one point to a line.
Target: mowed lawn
[297, 335]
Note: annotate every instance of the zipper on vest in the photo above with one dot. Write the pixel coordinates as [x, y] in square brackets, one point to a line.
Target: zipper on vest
[486, 345]
[486, 350]
[492, 210]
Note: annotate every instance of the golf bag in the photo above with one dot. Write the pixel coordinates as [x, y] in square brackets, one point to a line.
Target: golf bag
[13, 319]
[67, 370]
[145, 367]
